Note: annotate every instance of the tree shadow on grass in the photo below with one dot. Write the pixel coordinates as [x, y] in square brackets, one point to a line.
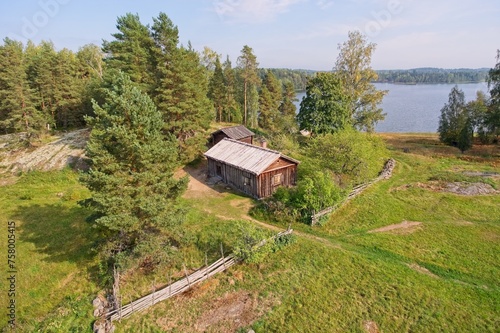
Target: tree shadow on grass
[60, 233]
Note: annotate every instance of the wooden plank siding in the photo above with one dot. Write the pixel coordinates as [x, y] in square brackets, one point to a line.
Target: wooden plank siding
[266, 186]
[260, 186]
[233, 177]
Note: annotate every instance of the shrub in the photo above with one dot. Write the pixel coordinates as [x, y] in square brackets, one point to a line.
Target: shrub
[354, 156]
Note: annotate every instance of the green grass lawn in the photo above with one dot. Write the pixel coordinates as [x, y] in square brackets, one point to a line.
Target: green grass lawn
[54, 253]
[440, 276]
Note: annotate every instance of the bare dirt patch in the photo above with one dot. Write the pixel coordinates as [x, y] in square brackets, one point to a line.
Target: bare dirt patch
[469, 188]
[370, 327]
[405, 227]
[228, 313]
[198, 187]
[422, 270]
[460, 188]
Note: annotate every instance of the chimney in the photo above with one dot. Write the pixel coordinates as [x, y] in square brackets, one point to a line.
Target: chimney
[263, 143]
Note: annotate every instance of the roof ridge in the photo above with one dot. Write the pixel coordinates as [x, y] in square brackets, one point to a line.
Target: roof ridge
[253, 146]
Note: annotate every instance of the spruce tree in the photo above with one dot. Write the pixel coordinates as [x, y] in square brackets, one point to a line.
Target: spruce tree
[466, 136]
[131, 174]
[269, 102]
[288, 109]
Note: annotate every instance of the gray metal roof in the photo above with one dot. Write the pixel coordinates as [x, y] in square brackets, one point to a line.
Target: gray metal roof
[236, 132]
[244, 156]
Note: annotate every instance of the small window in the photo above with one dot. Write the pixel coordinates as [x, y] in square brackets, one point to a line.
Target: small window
[246, 181]
[218, 170]
[276, 180]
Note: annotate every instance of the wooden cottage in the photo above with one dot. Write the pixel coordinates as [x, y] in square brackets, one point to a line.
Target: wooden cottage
[253, 170]
[240, 133]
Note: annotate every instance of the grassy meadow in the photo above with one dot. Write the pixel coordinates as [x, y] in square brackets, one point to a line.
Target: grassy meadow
[439, 274]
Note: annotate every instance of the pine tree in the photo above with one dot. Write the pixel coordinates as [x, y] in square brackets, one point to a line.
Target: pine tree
[17, 109]
[131, 50]
[90, 70]
[41, 63]
[248, 64]
[181, 90]
[131, 174]
[232, 110]
[217, 90]
[68, 91]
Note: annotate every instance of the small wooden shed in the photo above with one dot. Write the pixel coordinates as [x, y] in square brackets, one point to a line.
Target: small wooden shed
[253, 170]
[240, 133]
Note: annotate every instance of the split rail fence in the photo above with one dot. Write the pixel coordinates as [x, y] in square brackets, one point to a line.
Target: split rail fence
[120, 312]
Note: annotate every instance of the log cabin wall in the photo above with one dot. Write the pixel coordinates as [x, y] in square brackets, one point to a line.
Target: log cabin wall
[236, 178]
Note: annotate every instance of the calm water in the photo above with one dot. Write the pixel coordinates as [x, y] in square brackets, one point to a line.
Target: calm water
[416, 108]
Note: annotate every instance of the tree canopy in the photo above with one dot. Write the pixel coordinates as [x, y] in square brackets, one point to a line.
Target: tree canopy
[248, 64]
[131, 174]
[354, 69]
[453, 116]
[326, 107]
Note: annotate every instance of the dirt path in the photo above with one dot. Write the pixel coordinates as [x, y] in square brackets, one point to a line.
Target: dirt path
[403, 227]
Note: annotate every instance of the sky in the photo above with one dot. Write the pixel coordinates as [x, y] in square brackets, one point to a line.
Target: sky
[297, 34]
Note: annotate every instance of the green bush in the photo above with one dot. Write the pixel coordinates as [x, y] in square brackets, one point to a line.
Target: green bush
[316, 190]
[355, 157]
[249, 247]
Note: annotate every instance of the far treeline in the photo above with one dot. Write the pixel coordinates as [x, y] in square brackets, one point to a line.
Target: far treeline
[432, 75]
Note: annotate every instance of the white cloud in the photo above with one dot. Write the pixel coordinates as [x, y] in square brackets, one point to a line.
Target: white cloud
[324, 4]
[250, 11]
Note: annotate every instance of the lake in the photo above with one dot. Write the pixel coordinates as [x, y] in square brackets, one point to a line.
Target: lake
[416, 108]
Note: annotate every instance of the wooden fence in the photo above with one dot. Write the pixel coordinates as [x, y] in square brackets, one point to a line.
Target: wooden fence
[384, 174]
[177, 287]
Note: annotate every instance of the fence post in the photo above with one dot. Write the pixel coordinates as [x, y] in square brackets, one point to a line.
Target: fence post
[206, 265]
[153, 295]
[187, 277]
[169, 285]
[222, 254]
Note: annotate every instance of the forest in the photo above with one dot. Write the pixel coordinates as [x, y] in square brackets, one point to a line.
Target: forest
[432, 75]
